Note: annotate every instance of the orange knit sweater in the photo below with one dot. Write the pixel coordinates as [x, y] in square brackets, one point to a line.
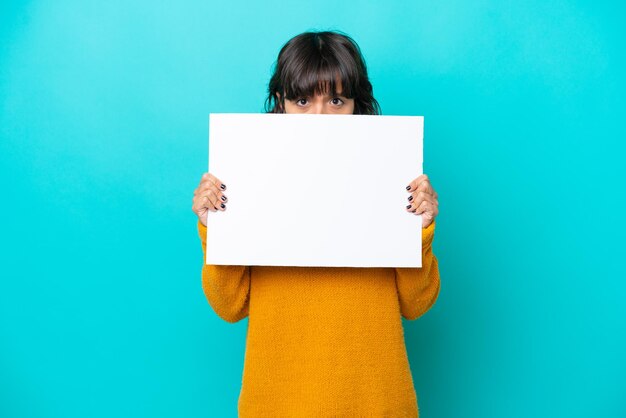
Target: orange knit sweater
[324, 341]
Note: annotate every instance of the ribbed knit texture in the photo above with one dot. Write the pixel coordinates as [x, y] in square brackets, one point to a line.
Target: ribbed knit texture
[324, 341]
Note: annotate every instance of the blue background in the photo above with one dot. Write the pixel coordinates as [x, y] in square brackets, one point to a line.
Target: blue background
[103, 138]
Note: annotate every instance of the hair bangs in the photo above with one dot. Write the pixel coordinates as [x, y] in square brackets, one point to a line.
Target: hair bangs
[320, 75]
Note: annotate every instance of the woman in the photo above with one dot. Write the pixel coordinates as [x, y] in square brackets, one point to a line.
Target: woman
[323, 341]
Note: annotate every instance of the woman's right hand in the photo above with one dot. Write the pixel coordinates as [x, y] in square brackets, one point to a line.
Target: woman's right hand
[208, 196]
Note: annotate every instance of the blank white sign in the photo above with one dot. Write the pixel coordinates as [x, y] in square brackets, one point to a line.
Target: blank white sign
[315, 190]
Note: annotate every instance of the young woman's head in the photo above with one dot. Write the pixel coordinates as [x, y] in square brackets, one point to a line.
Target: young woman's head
[321, 72]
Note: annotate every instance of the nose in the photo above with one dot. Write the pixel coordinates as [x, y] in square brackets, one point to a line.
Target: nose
[317, 108]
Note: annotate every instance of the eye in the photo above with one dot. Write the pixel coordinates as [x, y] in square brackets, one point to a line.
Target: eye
[301, 102]
[337, 101]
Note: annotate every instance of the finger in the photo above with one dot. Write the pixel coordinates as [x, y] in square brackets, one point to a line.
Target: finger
[210, 186]
[214, 199]
[425, 206]
[204, 179]
[208, 178]
[415, 183]
[210, 200]
[414, 196]
[424, 186]
[420, 197]
[217, 182]
[198, 205]
[429, 210]
[201, 204]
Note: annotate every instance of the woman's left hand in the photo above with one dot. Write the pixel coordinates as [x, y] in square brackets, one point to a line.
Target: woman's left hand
[423, 200]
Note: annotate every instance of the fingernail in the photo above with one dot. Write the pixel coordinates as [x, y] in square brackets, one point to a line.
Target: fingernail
[223, 187]
[408, 206]
[408, 187]
[222, 205]
[410, 198]
[224, 198]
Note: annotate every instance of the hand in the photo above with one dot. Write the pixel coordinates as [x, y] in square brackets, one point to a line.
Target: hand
[208, 197]
[423, 200]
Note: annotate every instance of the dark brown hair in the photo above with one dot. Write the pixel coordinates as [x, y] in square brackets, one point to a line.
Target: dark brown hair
[311, 62]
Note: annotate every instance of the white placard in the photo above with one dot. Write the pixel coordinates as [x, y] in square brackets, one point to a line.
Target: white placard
[315, 190]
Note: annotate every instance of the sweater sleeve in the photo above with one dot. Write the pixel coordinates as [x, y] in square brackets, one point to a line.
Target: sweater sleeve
[227, 288]
[418, 288]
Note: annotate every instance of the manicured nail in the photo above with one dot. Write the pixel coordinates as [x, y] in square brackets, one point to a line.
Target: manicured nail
[408, 187]
[223, 187]
[408, 206]
[224, 198]
[222, 205]
[410, 198]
